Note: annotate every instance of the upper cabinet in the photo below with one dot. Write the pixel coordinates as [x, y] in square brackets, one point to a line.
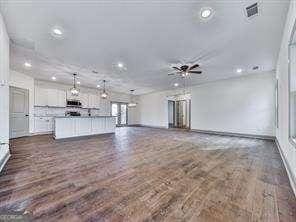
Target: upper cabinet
[84, 100]
[40, 97]
[50, 97]
[57, 98]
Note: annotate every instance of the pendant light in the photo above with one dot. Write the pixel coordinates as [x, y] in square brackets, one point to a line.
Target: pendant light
[132, 103]
[74, 91]
[104, 95]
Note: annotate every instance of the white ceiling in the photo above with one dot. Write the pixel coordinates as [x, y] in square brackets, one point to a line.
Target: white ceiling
[147, 36]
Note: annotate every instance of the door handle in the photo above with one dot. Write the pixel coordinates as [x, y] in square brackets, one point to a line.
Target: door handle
[27, 115]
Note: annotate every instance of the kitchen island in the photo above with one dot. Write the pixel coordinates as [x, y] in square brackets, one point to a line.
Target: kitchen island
[76, 126]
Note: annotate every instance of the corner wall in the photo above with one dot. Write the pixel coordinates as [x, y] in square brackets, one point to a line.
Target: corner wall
[282, 133]
[245, 105]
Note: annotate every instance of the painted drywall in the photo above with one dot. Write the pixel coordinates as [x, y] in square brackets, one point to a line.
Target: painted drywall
[23, 81]
[4, 92]
[153, 109]
[244, 104]
[239, 105]
[282, 133]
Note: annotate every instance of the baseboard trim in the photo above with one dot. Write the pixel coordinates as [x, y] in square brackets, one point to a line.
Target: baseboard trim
[4, 161]
[41, 133]
[291, 176]
[73, 138]
[253, 136]
[155, 127]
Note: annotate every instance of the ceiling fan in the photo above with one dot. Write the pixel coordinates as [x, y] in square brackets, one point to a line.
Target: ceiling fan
[185, 70]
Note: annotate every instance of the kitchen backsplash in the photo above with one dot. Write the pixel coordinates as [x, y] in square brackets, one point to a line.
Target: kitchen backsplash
[51, 111]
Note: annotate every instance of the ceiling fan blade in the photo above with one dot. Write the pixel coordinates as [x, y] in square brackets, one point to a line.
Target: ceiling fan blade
[174, 67]
[196, 72]
[194, 66]
[174, 73]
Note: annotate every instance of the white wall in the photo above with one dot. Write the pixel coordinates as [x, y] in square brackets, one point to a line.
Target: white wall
[282, 133]
[23, 81]
[4, 93]
[239, 105]
[153, 109]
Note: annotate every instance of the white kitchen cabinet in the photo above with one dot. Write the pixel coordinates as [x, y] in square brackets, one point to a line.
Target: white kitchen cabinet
[61, 98]
[83, 127]
[66, 127]
[50, 97]
[84, 100]
[43, 124]
[40, 96]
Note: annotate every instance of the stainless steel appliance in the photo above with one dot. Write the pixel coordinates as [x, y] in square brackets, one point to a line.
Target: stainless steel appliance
[73, 103]
[72, 113]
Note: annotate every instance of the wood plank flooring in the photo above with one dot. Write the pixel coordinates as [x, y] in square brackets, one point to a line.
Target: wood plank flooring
[145, 174]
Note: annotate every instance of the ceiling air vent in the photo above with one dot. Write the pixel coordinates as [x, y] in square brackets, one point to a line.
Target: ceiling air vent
[252, 10]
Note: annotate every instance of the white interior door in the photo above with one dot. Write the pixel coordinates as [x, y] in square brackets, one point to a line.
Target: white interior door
[19, 112]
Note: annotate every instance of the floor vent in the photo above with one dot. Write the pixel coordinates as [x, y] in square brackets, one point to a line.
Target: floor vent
[252, 10]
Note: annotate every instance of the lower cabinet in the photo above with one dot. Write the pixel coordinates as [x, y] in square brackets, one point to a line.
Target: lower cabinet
[81, 126]
[43, 124]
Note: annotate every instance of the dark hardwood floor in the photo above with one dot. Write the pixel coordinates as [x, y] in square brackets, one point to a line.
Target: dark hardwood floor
[145, 174]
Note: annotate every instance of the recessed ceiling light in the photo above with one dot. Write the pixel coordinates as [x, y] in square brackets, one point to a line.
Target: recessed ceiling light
[53, 78]
[78, 82]
[239, 70]
[98, 86]
[120, 65]
[27, 64]
[176, 84]
[206, 13]
[57, 32]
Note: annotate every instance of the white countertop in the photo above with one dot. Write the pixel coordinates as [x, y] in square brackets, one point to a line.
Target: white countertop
[83, 116]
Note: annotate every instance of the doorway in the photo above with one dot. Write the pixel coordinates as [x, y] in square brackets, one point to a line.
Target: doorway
[179, 114]
[119, 110]
[18, 112]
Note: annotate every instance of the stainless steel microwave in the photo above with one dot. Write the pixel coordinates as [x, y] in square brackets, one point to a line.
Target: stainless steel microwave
[74, 103]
